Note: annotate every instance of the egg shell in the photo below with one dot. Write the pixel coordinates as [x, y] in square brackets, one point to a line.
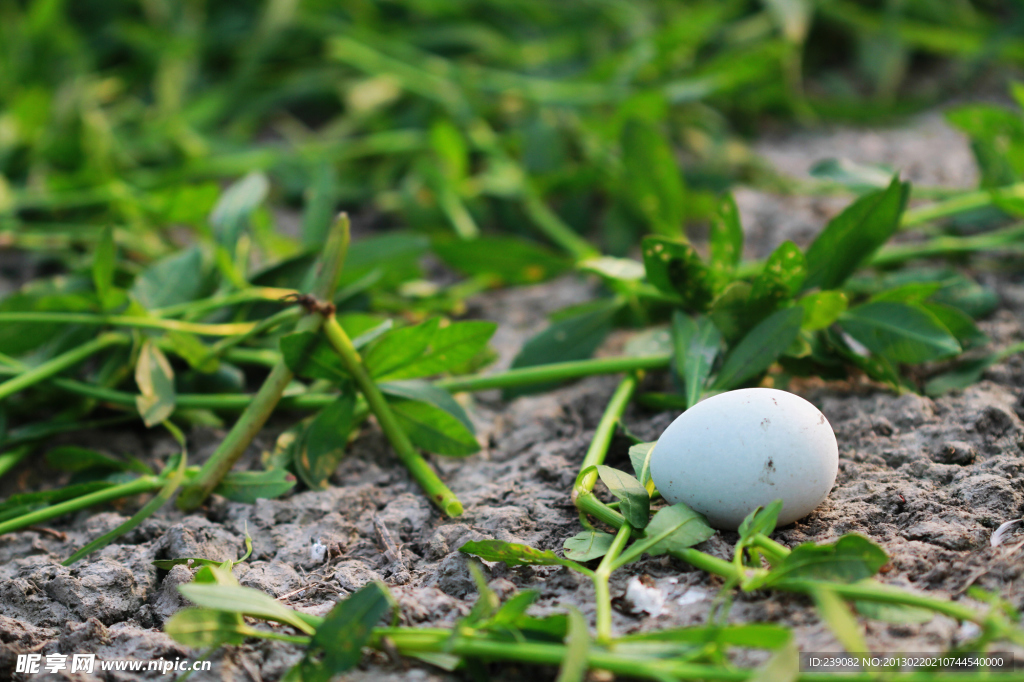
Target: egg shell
[735, 451]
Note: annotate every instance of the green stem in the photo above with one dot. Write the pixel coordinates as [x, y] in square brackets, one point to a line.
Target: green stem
[60, 363]
[258, 411]
[419, 468]
[143, 484]
[598, 449]
[10, 459]
[215, 302]
[602, 593]
[556, 371]
[225, 329]
[1009, 240]
[876, 592]
[968, 201]
[554, 228]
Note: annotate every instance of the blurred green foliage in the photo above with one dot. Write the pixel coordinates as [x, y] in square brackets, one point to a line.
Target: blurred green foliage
[445, 116]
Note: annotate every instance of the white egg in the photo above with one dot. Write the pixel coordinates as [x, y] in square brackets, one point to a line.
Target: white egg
[735, 451]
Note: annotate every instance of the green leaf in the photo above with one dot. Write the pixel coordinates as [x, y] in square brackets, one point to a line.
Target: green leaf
[243, 600]
[249, 486]
[74, 459]
[857, 177]
[697, 342]
[193, 351]
[965, 374]
[239, 201]
[913, 292]
[651, 178]
[338, 643]
[726, 240]
[433, 429]
[854, 235]
[612, 268]
[587, 545]
[760, 348]
[323, 444]
[451, 345]
[103, 262]
[398, 348]
[517, 555]
[959, 324]
[577, 647]
[205, 628]
[780, 279]
[893, 613]
[635, 503]
[321, 205]
[505, 260]
[174, 279]
[822, 309]
[426, 392]
[760, 521]
[155, 379]
[309, 355]
[783, 666]
[674, 528]
[571, 338]
[847, 560]
[640, 458]
[841, 621]
[674, 267]
[899, 332]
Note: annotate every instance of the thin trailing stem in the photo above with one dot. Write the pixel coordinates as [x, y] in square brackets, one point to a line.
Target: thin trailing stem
[222, 329]
[428, 479]
[60, 363]
[602, 594]
[258, 411]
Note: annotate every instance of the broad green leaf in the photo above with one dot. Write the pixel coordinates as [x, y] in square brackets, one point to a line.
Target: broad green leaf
[174, 279]
[451, 345]
[571, 338]
[249, 486]
[735, 312]
[243, 600]
[726, 240]
[587, 545]
[780, 279]
[847, 560]
[239, 201]
[822, 309]
[651, 178]
[783, 666]
[309, 355]
[427, 392]
[762, 520]
[640, 458]
[609, 267]
[399, 347]
[893, 613]
[505, 259]
[193, 351]
[841, 621]
[323, 444]
[674, 267]
[675, 528]
[854, 235]
[433, 429]
[913, 292]
[338, 643]
[875, 366]
[635, 503]
[760, 348]
[516, 555]
[206, 628]
[577, 646]
[959, 324]
[653, 341]
[103, 262]
[899, 332]
[155, 379]
[697, 342]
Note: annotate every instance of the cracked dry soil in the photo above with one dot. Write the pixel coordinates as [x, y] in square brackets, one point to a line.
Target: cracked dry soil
[929, 480]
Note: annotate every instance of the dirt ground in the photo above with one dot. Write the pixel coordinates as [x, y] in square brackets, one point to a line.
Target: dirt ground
[927, 479]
